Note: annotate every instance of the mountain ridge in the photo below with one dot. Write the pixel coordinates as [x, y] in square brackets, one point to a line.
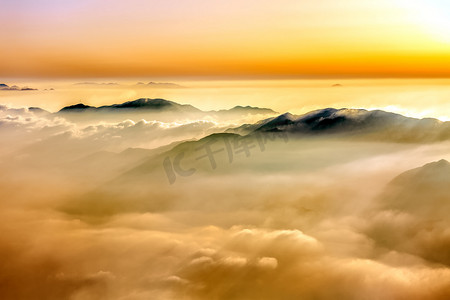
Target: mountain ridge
[377, 123]
[159, 104]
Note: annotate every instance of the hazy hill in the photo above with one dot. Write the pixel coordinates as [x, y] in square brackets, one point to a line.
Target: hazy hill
[139, 104]
[248, 110]
[376, 124]
[159, 105]
[414, 216]
[424, 190]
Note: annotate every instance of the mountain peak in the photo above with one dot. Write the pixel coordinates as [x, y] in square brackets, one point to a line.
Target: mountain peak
[282, 120]
[433, 171]
[37, 110]
[377, 124]
[77, 107]
[134, 105]
[286, 116]
[240, 109]
[443, 162]
[143, 102]
[248, 107]
[437, 166]
[423, 190]
[164, 84]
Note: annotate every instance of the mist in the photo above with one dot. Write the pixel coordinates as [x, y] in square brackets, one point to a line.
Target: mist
[100, 210]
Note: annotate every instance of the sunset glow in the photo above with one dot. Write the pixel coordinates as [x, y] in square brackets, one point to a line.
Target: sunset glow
[286, 38]
[224, 150]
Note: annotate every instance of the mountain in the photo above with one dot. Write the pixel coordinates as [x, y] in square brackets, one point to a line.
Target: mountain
[151, 104]
[80, 107]
[421, 190]
[431, 173]
[157, 105]
[96, 83]
[38, 110]
[5, 87]
[167, 85]
[358, 123]
[247, 110]
[376, 124]
[190, 150]
[135, 105]
[274, 124]
[415, 205]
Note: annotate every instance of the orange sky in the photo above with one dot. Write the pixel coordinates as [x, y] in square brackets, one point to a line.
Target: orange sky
[233, 38]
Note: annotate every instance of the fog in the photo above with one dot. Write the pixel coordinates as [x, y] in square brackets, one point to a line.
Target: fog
[412, 97]
[91, 210]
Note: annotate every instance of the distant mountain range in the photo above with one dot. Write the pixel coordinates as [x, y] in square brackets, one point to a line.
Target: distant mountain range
[377, 123]
[247, 109]
[373, 124]
[166, 85]
[5, 87]
[159, 105]
[139, 104]
[96, 83]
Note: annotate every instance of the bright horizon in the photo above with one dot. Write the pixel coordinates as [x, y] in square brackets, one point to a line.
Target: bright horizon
[232, 39]
[404, 96]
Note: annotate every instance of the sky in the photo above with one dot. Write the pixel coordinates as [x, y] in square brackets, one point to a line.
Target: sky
[225, 39]
[87, 207]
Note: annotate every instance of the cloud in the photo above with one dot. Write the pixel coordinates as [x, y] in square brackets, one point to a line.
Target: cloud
[20, 127]
[309, 219]
[322, 276]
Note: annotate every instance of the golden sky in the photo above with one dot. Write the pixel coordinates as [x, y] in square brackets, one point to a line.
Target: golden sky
[233, 38]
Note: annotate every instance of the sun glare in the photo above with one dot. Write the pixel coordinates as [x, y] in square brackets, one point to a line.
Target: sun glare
[433, 16]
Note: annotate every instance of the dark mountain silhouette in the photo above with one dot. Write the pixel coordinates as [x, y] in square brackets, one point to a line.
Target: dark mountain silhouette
[96, 83]
[80, 107]
[156, 105]
[356, 123]
[139, 104]
[376, 124]
[273, 124]
[5, 87]
[169, 85]
[151, 104]
[248, 110]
